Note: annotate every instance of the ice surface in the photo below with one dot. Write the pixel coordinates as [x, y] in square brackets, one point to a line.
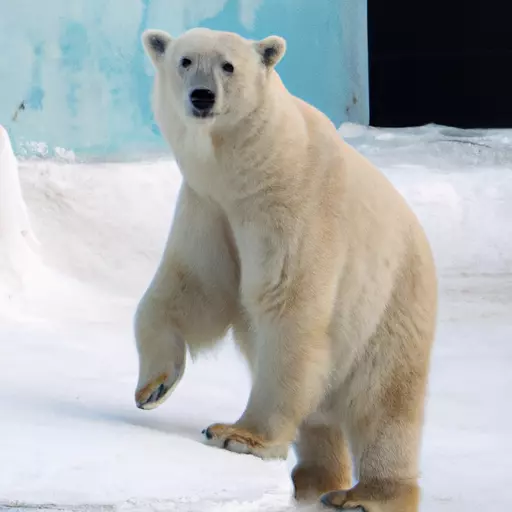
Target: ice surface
[71, 437]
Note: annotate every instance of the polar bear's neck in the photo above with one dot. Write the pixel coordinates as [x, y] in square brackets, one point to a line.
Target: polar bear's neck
[235, 162]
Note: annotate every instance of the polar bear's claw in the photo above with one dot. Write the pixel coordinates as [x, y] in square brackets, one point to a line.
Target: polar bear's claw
[155, 399]
[155, 393]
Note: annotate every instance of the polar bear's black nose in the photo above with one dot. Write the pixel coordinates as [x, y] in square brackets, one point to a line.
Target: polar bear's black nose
[202, 99]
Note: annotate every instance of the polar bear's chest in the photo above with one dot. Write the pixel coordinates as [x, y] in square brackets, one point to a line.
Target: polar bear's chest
[197, 143]
[195, 154]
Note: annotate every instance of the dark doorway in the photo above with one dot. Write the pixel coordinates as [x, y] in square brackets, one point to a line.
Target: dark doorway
[441, 61]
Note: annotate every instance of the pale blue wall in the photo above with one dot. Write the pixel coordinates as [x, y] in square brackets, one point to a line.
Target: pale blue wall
[79, 67]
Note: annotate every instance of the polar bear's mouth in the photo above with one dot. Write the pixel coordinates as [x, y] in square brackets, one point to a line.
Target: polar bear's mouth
[202, 114]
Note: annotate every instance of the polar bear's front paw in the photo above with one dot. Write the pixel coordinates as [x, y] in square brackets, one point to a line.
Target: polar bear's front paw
[240, 440]
[155, 392]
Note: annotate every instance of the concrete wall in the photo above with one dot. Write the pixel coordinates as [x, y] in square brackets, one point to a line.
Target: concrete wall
[79, 72]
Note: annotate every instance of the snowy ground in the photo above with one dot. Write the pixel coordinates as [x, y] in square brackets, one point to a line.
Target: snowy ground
[70, 435]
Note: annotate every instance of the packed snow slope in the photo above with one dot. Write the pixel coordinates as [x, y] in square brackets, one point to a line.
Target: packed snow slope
[72, 271]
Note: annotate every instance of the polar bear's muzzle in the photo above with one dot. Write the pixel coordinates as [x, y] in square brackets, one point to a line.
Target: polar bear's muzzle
[203, 101]
[202, 94]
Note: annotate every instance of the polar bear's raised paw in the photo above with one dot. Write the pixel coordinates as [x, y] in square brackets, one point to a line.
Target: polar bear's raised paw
[155, 392]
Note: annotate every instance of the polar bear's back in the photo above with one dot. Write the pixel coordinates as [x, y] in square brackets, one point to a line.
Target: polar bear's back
[388, 262]
[389, 271]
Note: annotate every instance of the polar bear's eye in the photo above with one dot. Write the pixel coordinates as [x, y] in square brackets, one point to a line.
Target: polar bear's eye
[185, 62]
[228, 67]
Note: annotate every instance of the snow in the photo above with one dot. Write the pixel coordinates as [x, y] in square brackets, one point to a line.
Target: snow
[16, 236]
[71, 437]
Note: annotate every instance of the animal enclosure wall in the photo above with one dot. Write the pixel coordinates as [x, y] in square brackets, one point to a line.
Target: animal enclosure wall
[73, 74]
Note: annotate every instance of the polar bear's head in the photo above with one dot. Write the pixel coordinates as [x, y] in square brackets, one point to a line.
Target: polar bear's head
[208, 75]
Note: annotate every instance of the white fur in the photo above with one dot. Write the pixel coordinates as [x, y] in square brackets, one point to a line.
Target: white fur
[287, 234]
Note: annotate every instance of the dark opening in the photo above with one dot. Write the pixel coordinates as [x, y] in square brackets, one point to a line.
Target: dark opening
[441, 61]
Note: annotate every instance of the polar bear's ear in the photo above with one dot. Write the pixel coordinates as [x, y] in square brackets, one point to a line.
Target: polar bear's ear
[155, 44]
[271, 49]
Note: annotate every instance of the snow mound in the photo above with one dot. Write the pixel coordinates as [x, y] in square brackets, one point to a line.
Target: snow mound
[18, 259]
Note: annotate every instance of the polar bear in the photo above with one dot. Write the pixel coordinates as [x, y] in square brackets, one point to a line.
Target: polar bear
[286, 234]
